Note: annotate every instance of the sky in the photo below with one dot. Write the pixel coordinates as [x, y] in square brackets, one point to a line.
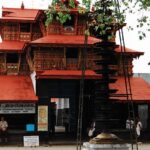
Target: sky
[131, 37]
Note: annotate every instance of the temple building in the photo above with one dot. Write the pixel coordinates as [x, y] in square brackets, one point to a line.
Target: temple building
[41, 71]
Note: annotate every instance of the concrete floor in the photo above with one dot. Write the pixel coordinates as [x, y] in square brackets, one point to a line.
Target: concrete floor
[141, 146]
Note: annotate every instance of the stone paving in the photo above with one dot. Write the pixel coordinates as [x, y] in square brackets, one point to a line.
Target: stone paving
[141, 146]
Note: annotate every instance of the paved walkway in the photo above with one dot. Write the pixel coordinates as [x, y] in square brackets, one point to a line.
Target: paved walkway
[142, 146]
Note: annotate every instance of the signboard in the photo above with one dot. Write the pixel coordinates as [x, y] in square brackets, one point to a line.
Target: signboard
[30, 141]
[42, 118]
[17, 108]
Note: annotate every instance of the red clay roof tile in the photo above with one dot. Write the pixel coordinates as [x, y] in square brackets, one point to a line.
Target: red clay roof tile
[12, 46]
[16, 88]
[65, 40]
[128, 50]
[20, 14]
[67, 74]
[139, 87]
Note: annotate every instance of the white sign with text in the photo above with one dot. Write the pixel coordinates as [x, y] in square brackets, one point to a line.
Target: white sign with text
[17, 108]
[31, 141]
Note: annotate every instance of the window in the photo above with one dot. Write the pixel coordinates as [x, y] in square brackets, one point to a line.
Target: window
[12, 58]
[69, 24]
[24, 27]
[61, 114]
[72, 53]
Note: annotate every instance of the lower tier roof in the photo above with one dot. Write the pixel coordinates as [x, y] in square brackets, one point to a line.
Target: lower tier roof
[16, 88]
[67, 74]
[19, 88]
[12, 46]
[140, 89]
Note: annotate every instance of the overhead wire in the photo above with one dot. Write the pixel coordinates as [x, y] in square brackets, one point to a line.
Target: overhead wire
[81, 95]
[127, 79]
[127, 85]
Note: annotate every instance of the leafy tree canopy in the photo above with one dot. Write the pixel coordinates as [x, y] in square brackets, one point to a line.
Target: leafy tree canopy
[103, 15]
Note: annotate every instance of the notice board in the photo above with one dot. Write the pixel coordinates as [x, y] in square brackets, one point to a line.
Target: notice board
[31, 141]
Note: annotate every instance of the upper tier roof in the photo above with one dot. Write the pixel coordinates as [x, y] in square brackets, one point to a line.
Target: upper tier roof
[67, 74]
[19, 46]
[20, 14]
[65, 40]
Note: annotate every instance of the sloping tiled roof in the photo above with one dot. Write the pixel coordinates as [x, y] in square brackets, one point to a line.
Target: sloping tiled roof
[12, 46]
[65, 40]
[67, 74]
[16, 88]
[139, 87]
[129, 51]
[20, 14]
[77, 40]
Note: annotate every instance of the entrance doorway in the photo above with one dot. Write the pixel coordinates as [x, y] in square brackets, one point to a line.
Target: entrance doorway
[143, 114]
[62, 114]
[64, 96]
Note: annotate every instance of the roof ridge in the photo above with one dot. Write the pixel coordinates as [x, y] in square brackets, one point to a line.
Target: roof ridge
[20, 8]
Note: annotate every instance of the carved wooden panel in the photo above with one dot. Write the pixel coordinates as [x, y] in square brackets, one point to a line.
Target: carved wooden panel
[25, 36]
[54, 29]
[80, 30]
[2, 68]
[48, 59]
[10, 32]
[12, 68]
[128, 66]
[36, 36]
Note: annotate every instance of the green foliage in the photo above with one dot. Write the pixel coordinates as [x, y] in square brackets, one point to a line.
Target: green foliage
[87, 4]
[50, 17]
[63, 17]
[72, 4]
[140, 8]
[58, 11]
[107, 19]
[107, 13]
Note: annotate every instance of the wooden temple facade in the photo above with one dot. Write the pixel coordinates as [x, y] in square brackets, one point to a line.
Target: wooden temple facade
[41, 70]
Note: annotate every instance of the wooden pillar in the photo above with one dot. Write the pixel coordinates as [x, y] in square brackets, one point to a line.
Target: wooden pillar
[76, 22]
[5, 61]
[79, 60]
[19, 32]
[19, 62]
[31, 32]
[64, 59]
[29, 60]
